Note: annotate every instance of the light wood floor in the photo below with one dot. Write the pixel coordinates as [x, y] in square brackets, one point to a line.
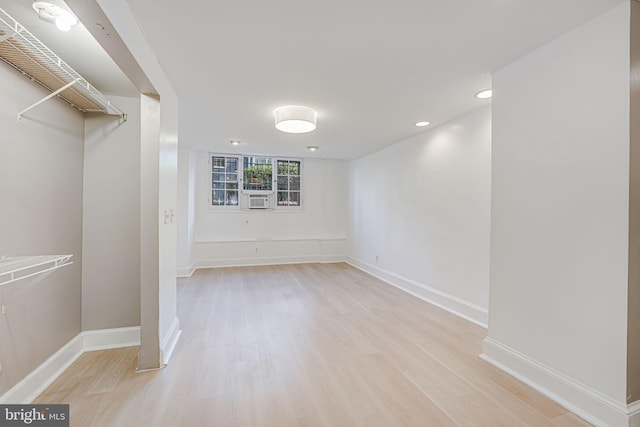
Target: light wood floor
[305, 345]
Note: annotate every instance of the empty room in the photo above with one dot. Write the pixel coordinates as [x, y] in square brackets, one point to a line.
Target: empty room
[285, 213]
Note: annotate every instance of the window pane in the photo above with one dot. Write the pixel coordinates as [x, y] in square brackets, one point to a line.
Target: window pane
[294, 168]
[258, 173]
[294, 198]
[294, 183]
[253, 161]
[283, 167]
[283, 183]
[218, 198]
[283, 198]
[224, 181]
[232, 198]
[232, 165]
[218, 163]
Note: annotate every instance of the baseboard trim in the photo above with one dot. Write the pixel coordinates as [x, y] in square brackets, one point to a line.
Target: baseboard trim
[461, 308]
[633, 410]
[168, 343]
[40, 378]
[584, 401]
[248, 262]
[27, 390]
[185, 272]
[103, 339]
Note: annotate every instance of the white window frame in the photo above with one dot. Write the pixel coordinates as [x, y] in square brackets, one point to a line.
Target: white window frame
[275, 183]
[242, 193]
[239, 181]
[257, 192]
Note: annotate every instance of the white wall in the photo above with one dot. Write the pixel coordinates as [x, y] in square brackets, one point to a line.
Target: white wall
[633, 327]
[40, 214]
[111, 219]
[158, 237]
[149, 355]
[559, 225]
[186, 211]
[314, 233]
[169, 325]
[419, 214]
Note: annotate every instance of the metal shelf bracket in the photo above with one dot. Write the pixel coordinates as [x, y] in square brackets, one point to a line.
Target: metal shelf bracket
[51, 95]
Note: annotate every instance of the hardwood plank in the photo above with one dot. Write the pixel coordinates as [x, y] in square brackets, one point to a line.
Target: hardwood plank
[305, 345]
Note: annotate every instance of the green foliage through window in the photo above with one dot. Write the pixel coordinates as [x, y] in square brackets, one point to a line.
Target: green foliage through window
[233, 175]
[288, 183]
[258, 173]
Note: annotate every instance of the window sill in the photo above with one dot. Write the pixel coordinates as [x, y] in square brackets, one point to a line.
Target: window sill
[274, 240]
[263, 211]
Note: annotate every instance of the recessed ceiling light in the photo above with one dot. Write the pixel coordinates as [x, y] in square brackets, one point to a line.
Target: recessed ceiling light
[484, 94]
[312, 147]
[421, 124]
[234, 142]
[295, 119]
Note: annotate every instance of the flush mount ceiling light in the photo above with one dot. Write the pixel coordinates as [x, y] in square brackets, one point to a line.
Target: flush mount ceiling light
[55, 12]
[421, 124]
[295, 119]
[484, 94]
[312, 147]
[234, 142]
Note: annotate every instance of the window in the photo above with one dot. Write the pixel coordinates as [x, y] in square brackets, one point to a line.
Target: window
[288, 182]
[224, 181]
[234, 178]
[257, 173]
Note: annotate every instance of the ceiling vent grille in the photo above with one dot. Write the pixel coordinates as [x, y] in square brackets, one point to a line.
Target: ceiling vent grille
[23, 51]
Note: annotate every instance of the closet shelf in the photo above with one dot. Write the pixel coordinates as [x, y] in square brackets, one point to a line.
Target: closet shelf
[23, 51]
[21, 267]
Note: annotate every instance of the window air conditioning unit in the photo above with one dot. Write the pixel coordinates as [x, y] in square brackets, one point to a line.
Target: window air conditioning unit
[258, 201]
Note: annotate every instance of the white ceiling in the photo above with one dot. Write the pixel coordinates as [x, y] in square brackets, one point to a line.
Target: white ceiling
[370, 68]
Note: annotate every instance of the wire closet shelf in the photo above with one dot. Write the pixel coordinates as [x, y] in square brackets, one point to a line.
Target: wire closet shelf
[16, 268]
[23, 51]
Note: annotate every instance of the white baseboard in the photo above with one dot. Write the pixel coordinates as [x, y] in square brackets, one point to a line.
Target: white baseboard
[169, 341]
[40, 378]
[465, 309]
[257, 261]
[186, 271]
[584, 401]
[103, 339]
[633, 410]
